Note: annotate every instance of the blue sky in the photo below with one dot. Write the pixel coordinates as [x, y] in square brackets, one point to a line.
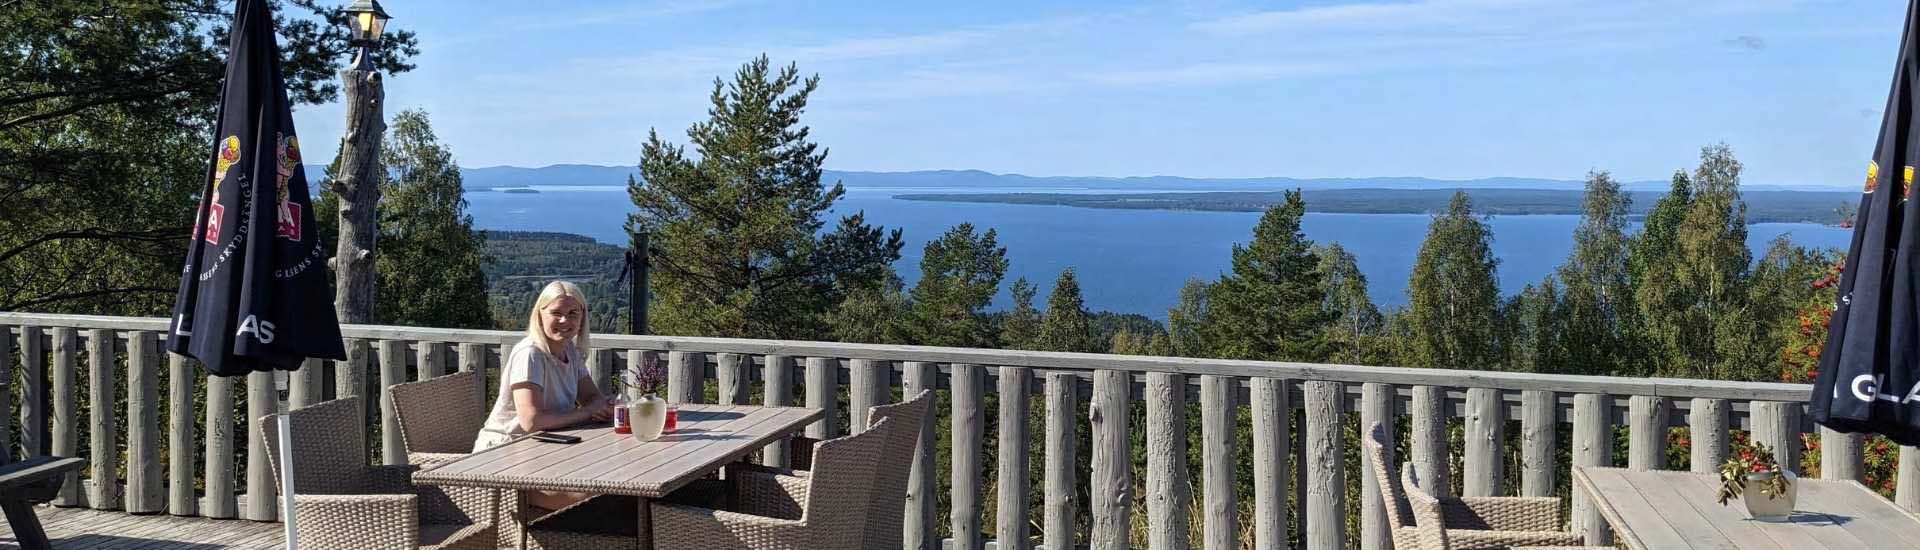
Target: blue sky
[1436, 88]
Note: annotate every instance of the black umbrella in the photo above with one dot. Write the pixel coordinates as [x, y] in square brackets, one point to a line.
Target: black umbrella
[254, 295]
[1869, 378]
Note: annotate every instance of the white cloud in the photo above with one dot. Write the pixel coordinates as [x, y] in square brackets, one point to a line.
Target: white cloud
[1379, 16]
[1209, 73]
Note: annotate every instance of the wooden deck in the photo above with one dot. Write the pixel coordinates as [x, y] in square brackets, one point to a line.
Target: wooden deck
[85, 528]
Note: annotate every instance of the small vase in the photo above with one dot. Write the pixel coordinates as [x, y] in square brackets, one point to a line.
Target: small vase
[649, 416]
[1766, 507]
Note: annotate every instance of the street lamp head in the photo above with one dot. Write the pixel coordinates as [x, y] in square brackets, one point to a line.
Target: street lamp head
[366, 22]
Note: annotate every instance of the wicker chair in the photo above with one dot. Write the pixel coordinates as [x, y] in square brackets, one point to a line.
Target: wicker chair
[438, 419]
[1473, 522]
[887, 515]
[342, 502]
[826, 509]
[1430, 515]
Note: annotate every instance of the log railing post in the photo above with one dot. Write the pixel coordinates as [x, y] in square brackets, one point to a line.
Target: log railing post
[1062, 510]
[867, 381]
[1326, 491]
[1840, 455]
[1707, 430]
[1376, 406]
[600, 369]
[181, 500]
[221, 501]
[1429, 436]
[969, 426]
[1271, 444]
[1169, 492]
[1013, 476]
[732, 375]
[823, 392]
[686, 376]
[1647, 432]
[303, 386]
[1592, 446]
[393, 370]
[6, 389]
[262, 400]
[918, 533]
[1485, 438]
[66, 430]
[1112, 487]
[430, 360]
[1217, 416]
[777, 381]
[1539, 427]
[1777, 424]
[33, 393]
[143, 494]
[1907, 493]
[103, 438]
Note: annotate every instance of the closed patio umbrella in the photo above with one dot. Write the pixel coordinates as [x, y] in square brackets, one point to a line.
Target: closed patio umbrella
[253, 294]
[1869, 379]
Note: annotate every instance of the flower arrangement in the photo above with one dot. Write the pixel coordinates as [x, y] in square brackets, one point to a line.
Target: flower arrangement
[647, 379]
[1756, 460]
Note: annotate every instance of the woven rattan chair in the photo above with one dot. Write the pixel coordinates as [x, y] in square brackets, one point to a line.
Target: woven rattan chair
[888, 512]
[438, 419]
[341, 502]
[826, 509]
[1430, 516]
[1473, 522]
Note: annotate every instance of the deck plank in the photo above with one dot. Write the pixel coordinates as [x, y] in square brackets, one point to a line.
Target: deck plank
[84, 528]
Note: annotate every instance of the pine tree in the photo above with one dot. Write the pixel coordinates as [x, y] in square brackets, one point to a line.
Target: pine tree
[1453, 298]
[1066, 326]
[1020, 325]
[960, 273]
[1658, 296]
[1272, 305]
[428, 271]
[873, 314]
[1187, 321]
[738, 226]
[106, 120]
[1357, 327]
[1598, 300]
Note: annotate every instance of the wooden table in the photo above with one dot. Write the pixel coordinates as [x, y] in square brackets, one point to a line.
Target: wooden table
[603, 462]
[1661, 510]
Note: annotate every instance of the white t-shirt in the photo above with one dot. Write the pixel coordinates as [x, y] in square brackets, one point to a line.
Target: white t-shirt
[559, 387]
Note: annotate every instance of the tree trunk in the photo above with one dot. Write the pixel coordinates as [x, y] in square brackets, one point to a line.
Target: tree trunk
[357, 184]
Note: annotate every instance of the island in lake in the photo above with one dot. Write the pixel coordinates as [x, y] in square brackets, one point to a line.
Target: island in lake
[1822, 207]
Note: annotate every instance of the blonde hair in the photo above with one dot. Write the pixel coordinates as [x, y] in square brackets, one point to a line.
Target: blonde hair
[554, 291]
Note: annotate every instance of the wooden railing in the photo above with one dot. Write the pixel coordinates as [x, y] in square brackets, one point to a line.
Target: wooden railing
[1302, 418]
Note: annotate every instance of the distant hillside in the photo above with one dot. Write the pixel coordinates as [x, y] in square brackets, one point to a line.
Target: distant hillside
[946, 180]
[1762, 206]
[520, 263]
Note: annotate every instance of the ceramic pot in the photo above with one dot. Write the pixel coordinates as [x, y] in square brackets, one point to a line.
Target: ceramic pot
[1765, 507]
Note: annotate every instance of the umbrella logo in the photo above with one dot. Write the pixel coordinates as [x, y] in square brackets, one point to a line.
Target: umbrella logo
[1873, 176]
[229, 154]
[288, 153]
[1906, 184]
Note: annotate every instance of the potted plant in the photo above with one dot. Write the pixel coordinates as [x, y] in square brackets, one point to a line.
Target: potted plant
[1752, 473]
[642, 386]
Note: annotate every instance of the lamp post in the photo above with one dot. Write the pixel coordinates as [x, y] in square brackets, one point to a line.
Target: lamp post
[358, 182]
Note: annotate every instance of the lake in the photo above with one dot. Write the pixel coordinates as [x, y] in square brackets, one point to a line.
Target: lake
[1127, 260]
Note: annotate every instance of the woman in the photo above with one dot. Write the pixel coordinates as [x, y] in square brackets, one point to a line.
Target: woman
[544, 384]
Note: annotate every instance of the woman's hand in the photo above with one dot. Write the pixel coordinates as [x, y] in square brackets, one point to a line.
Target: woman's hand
[600, 409]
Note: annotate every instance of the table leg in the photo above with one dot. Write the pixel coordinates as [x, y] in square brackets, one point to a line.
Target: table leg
[646, 523]
[26, 525]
